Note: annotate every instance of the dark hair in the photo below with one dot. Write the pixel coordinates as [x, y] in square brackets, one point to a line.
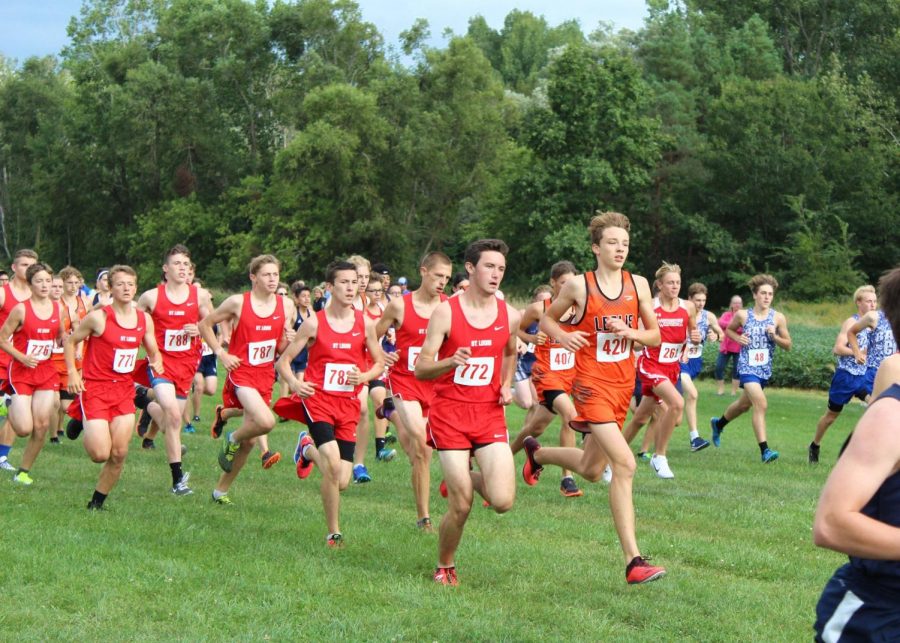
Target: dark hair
[561, 268]
[335, 267]
[762, 280]
[298, 286]
[697, 288]
[177, 249]
[459, 277]
[381, 269]
[889, 298]
[473, 252]
[35, 268]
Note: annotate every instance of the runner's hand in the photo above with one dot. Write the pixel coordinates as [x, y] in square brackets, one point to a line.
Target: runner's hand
[574, 341]
[461, 356]
[541, 338]
[230, 362]
[695, 336]
[157, 366]
[354, 377]
[390, 358]
[76, 385]
[192, 330]
[30, 361]
[505, 396]
[303, 388]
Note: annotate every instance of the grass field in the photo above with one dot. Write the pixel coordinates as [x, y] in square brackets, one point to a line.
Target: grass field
[734, 534]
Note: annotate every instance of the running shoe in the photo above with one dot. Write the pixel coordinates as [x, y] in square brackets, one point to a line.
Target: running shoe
[531, 470]
[23, 479]
[643, 455]
[227, 453]
[54, 439]
[716, 433]
[390, 438]
[335, 541]
[579, 424]
[813, 453]
[218, 423]
[182, 488]
[386, 455]
[569, 489]
[361, 474]
[698, 444]
[270, 459]
[222, 500]
[385, 410]
[141, 397]
[607, 474]
[640, 571]
[769, 455]
[446, 576]
[424, 525]
[304, 466]
[74, 429]
[660, 466]
[189, 428]
[5, 465]
[196, 420]
[144, 423]
[442, 489]
[93, 506]
[148, 444]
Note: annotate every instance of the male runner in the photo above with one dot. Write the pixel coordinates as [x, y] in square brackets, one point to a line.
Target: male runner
[849, 379]
[882, 343]
[764, 329]
[176, 308]
[262, 326]
[470, 353]
[859, 511]
[692, 363]
[608, 303]
[408, 408]
[75, 307]
[106, 389]
[327, 399]
[361, 303]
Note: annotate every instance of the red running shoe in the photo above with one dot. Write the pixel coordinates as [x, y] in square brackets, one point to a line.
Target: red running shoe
[531, 470]
[443, 489]
[640, 571]
[270, 459]
[218, 423]
[446, 576]
[304, 466]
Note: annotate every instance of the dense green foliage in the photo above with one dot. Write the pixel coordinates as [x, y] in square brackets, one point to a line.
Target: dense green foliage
[739, 137]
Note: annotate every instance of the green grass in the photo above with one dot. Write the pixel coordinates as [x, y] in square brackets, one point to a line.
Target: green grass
[734, 534]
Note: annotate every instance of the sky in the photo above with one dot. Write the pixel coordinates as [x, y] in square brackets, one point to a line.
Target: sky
[38, 27]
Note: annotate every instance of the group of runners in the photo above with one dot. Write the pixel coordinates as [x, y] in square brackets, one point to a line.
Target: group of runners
[443, 378]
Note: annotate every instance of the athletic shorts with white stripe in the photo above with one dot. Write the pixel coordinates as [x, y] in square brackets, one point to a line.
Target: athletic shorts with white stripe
[852, 608]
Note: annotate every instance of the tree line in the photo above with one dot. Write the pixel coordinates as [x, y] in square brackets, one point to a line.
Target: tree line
[739, 137]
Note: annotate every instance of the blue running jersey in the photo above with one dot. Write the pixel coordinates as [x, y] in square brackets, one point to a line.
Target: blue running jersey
[848, 362]
[881, 343]
[756, 357]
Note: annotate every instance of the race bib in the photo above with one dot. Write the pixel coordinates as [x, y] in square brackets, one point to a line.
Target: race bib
[40, 349]
[58, 350]
[124, 359]
[758, 356]
[259, 353]
[612, 348]
[176, 341]
[336, 378]
[669, 352]
[412, 356]
[561, 359]
[477, 371]
[205, 348]
[694, 351]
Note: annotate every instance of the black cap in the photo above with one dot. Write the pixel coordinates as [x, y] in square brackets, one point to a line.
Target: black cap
[381, 269]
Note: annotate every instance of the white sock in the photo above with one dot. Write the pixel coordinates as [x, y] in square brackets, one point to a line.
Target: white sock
[695, 434]
[218, 494]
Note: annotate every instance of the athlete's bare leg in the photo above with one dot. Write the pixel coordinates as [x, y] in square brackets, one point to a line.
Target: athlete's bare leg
[539, 418]
[642, 415]
[362, 428]
[823, 424]
[690, 400]
[166, 411]
[410, 425]
[107, 443]
[670, 417]
[335, 478]
[43, 408]
[760, 405]
[258, 420]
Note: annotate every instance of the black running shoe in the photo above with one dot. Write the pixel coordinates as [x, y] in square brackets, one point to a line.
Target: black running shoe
[141, 397]
[74, 429]
[813, 453]
[144, 423]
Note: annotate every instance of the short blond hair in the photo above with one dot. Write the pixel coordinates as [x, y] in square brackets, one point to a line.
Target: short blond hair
[666, 268]
[360, 262]
[258, 262]
[863, 290]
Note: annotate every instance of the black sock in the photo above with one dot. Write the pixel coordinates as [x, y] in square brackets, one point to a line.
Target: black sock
[380, 443]
[147, 442]
[176, 472]
[21, 470]
[763, 446]
[97, 499]
[721, 422]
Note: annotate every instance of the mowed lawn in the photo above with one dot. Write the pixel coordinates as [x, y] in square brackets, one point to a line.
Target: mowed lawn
[734, 534]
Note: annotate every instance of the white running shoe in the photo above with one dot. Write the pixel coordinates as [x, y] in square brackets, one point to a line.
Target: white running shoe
[5, 465]
[607, 474]
[660, 466]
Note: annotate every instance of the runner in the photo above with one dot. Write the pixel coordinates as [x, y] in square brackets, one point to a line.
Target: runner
[470, 353]
[28, 336]
[206, 379]
[729, 350]
[764, 329]
[849, 379]
[262, 326]
[660, 367]
[409, 404]
[102, 296]
[882, 343]
[524, 395]
[12, 293]
[106, 402]
[377, 388]
[554, 376]
[603, 330]
[859, 511]
[692, 363]
[327, 399]
[74, 308]
[361, 302]
[176, 307]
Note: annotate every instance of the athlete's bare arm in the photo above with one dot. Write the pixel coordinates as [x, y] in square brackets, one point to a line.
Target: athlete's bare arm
[841, 349]
[867, 322]
[714, 327]
[438, 329]
[510, 357]
[147, 300]
[736, 322]
[693, 331]
[392, 317]
[888, 373]
[531, 315]
[11, 325]
[230, 309]
[649, 335]
[290, 316]
[872, 455]
[573, 293]
[154, 357]
[356, 377]
[93, 323]
[780, 334]
[305, 335]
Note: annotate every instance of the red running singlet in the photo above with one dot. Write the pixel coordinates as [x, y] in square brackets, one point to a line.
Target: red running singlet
[333, 355]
